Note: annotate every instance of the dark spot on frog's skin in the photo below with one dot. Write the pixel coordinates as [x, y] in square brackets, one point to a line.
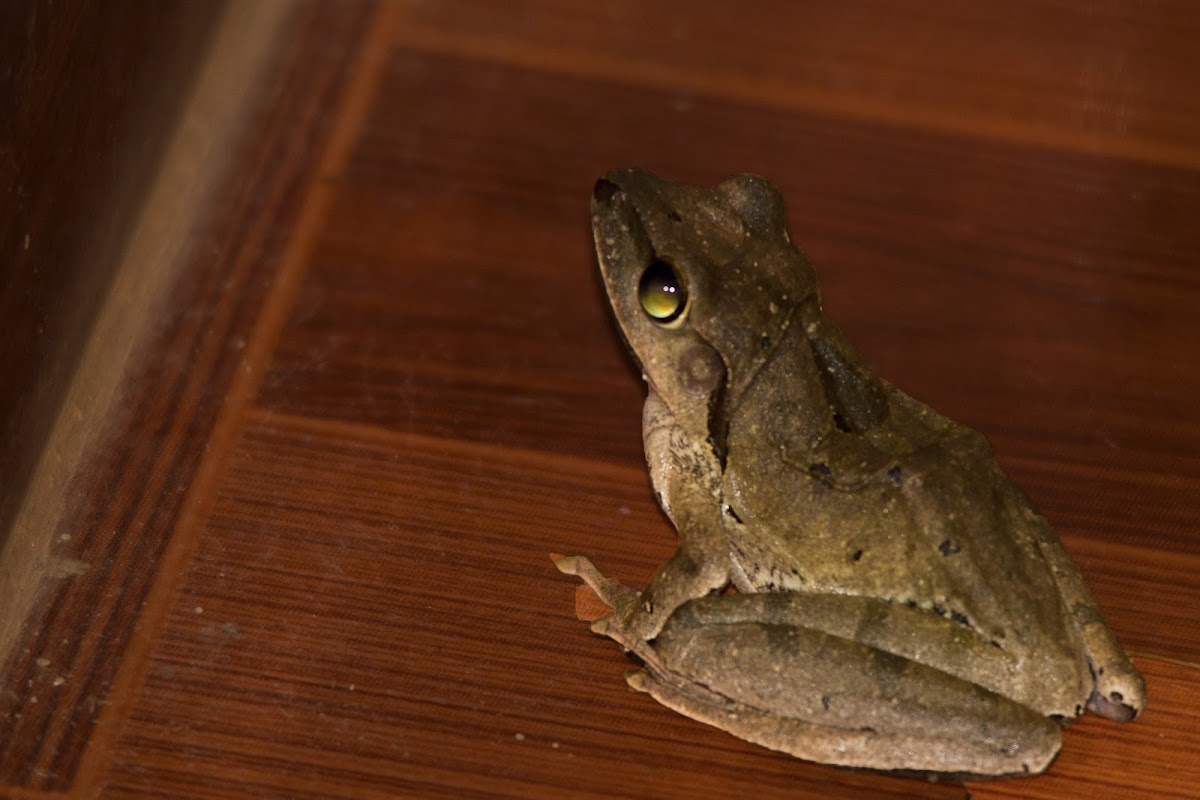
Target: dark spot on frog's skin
[1059, 718]
[1117, 697]
[948, 548]
[765, 343]
[910, 603]
[825, 701]
[996, 644]
[1078, 710]
[951, 614]
[736, 517]
[841, 423]
[673, 215]
[856, 555]
[1100, 671]
[822, 473]
[1025, 767]
[896, 475]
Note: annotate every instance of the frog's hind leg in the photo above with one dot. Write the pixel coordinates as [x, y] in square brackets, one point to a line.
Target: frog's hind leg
[837, 701]
[863, 748]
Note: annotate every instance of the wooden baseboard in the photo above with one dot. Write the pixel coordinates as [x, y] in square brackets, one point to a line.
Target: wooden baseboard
[101, 301]
[196, 256]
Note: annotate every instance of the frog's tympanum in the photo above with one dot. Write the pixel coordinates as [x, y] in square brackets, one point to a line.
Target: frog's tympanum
[900, 604]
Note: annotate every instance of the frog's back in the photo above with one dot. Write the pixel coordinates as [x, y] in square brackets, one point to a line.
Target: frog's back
[915, 513]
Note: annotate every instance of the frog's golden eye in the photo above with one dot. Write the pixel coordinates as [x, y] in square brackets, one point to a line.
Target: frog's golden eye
[661, 292]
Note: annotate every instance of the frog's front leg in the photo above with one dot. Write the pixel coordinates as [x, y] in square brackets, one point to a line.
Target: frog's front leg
[835, 700]
[637, 618]
[686, 474]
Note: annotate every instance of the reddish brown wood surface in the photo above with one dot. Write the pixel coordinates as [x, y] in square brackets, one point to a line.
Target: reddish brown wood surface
[345, 572]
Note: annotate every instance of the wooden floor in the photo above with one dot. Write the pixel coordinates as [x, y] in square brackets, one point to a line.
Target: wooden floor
[389, 387]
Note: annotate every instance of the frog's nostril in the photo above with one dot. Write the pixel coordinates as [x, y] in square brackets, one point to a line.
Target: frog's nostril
[605, 190]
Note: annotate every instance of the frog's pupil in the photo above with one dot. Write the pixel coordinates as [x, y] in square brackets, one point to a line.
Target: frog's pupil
[661, 292]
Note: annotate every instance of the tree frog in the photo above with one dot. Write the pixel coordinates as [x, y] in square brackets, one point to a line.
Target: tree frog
[856, 582]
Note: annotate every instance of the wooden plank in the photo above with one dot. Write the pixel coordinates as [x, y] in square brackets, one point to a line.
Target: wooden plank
[375, 615]
[1056, 320]
[1154, 757]
[977, 288]
[1112, 79]
[358, 601]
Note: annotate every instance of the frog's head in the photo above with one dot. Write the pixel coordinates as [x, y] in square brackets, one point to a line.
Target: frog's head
[702, 282]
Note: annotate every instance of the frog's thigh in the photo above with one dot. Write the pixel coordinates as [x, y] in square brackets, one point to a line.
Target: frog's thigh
[910, 633]
[837, 701]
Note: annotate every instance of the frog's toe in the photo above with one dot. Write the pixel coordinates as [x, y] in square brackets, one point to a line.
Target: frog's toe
[608, 626]
[612, 593]
[1120, 692]
[638, 680]
[617, 629]
[572, 565]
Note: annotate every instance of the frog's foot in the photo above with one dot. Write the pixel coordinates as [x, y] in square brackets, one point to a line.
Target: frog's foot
[1120, 692]
[619, 597]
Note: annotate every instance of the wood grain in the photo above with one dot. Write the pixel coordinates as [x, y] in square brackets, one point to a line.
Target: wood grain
[1100, 78]
[1000, 204]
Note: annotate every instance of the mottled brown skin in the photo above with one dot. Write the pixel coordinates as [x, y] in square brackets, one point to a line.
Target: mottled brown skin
[901, 605]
